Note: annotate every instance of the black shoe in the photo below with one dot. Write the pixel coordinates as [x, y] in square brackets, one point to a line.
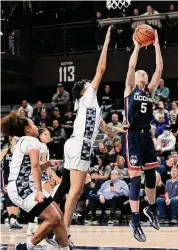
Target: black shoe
[152, 216]
[137, 232]
[21, 246]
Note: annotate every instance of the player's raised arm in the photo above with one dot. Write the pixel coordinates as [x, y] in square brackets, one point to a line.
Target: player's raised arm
[102, 62]
[159, 67]
[130, 79]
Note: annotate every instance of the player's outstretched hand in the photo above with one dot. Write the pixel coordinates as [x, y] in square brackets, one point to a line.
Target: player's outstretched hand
[135, 42]
[108, 34]
[156, 41]
[123, 129]
[54, 163]
[39, 197]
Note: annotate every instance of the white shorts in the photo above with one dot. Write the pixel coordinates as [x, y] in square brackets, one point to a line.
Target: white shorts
[77, 154]
[26, 204]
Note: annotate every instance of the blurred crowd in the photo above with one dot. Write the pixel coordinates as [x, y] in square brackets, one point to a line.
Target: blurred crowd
[107, 184]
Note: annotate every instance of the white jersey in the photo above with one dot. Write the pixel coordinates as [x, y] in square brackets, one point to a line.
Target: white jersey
[44, 149]
[87, 122]
[20, 170]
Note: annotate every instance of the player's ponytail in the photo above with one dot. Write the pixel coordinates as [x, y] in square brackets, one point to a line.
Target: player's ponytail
[13, 125]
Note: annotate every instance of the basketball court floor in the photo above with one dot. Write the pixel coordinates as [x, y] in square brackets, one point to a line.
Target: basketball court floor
[101, 238]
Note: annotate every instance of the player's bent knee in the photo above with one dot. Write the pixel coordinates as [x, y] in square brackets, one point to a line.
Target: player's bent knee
[135, 188]
[55, 218]
[150, 178]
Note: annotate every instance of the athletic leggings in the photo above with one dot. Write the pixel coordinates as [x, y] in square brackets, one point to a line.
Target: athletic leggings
[63, 189]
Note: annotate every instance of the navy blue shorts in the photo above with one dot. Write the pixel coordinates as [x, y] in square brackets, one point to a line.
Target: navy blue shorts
[140, 151]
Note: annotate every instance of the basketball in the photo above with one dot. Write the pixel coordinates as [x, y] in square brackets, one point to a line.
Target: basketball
[144, 35]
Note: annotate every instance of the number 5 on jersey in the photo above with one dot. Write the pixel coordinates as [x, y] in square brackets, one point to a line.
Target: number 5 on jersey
[144, 107]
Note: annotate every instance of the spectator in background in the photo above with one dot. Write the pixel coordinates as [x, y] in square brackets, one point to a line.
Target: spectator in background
[101, 150]
[61, 99]
[171, 198]
[26, 106]
[155, 23]
[165, 169]
[166, 142]
[162, 122]
[160, 187]
[163, 92]
[120, 167]
[160, 111]
[172, 8]
[115, 121]
[37, 110]
[43, 120]
[173, 113]
[56, 115]
[68, 123]
[135, 24]
[174, 154]
[103, 168]
[99, 31]
[112, 193]
[115, 152]
[58, 138]
[110, 139]
[106, 102]
[22, 113]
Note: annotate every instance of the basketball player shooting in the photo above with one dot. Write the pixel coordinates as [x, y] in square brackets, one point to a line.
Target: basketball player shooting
[77, 149]
[140, 151]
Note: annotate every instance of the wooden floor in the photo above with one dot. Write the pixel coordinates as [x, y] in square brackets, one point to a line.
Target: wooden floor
[103, 236]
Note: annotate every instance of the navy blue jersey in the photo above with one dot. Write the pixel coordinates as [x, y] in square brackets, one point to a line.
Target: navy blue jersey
[138, 109]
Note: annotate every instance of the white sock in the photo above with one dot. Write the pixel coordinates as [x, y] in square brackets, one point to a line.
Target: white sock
[30, 246]
[65, 248]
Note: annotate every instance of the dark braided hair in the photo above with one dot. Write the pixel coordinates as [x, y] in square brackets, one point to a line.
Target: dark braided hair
[77, 88]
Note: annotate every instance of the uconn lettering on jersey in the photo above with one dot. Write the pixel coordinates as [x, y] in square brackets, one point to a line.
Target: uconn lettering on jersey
[138, 97]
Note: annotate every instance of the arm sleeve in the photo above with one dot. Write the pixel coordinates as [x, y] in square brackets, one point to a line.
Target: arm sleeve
[66, 99]
[158, 147]
[100, 191]
[55, 96]
[89, 96]
[30, 143]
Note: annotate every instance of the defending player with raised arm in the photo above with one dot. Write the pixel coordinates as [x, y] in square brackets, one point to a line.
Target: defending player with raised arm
[77, 149]
[140, 152]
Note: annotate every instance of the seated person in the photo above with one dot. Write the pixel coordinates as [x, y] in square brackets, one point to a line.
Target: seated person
[103, 168]
[115, 121]
[166, 142]
[165, 169]
[68, 123]
[112, 193]
[101, 150]
[115, 151]
[110, 139]
[160, 111]
[171, 198]
[58, 137]
[120, 167]
[160, 124]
